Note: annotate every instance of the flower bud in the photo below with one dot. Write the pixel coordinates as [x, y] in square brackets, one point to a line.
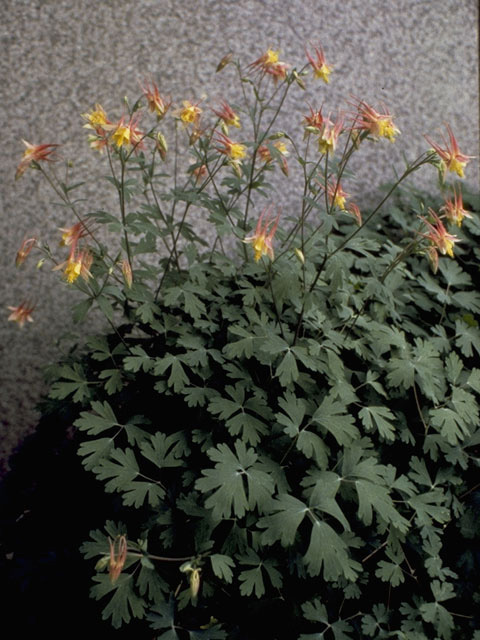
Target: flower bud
[162, 146]
[224, 61]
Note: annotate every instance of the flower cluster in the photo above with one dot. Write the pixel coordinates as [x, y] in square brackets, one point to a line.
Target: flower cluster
[249, 158]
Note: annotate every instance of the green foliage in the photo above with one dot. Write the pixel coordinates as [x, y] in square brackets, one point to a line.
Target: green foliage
[295, 439]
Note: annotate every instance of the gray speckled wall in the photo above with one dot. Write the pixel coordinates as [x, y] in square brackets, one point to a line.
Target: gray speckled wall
[59, 57]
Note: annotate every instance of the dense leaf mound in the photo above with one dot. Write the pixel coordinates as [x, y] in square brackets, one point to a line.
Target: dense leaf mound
[305, 462]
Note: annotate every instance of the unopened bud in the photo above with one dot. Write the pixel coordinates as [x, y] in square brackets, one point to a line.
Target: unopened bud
[194, 136]
[40, 263]
[195, 582]
[277, 136]
[298, 80]
[224, 61]
[162, 146]
[300, 256]
[102, 563]
[127, 273]
[22, 253]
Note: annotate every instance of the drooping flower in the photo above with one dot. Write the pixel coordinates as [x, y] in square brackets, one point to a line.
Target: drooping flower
[228, 116]
[189, 113]
[21, 314]
[269, 63]
[233, 150]
[98, 142]
[454, 210]
[320, 67]
[262, 239]
[118, 556]
[34, 153]
[327, 141]
[77, 265]
[453, 159]
[440, 239]
[156, 103]
[337, 197]
[25, 248]
[378, 125]
[71, 235]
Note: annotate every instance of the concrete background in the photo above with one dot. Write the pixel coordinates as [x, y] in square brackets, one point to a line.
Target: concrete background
[60, 57]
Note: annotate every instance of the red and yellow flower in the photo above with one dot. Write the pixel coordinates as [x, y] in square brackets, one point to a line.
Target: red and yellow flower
[126, 133]
[235, 151]
[228, 116]
[452, 158]
[327, 141]
[376, 124]
[156, 103]
[189, 113]
[440, 239]
[266, 155]
[25, 248]
[269, 63]
[77, 265]
[262, 239]
[320, 67]
[454, 210]
[96, 119]
[337, 197]
[34, 153]
[21, 314]
[118, 556]
[71, 235]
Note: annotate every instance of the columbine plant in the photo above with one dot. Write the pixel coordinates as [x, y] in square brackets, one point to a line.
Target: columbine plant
[286, 405]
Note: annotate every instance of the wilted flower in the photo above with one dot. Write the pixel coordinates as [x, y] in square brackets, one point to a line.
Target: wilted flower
[34, 153]
[118, 556]
[156, 103]
[378, 125]
[320, 67]
[21, 314]
[269, 63]
[25, 248]
[262, 239]
[453, 209]
[453, 159]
